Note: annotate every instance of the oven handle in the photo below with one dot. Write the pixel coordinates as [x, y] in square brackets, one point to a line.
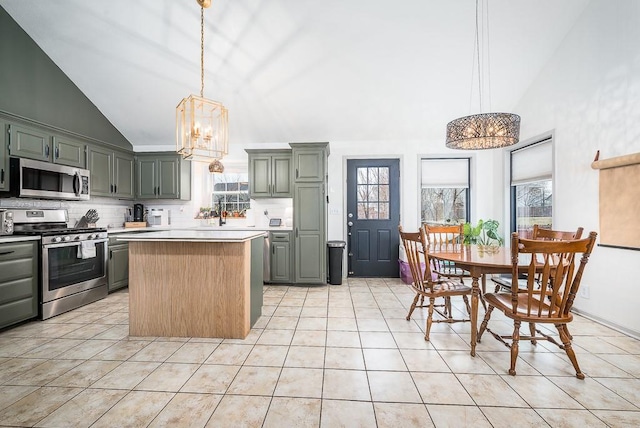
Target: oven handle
[76, 183]
[72, 243]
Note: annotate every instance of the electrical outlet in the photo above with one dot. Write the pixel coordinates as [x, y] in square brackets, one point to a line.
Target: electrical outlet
[585, 292]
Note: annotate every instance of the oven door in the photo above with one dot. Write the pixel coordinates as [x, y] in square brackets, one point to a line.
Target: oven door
[66, 272]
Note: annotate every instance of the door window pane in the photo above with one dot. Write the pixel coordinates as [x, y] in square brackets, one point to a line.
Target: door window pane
[373, 192]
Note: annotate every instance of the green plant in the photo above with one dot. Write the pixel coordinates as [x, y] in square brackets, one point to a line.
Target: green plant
[483, 233]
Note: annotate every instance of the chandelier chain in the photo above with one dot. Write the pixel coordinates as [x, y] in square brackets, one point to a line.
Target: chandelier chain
[202, 51]
[478, 58]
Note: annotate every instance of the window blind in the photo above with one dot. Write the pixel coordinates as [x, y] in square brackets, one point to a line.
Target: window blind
[532, 163]
[448, 173]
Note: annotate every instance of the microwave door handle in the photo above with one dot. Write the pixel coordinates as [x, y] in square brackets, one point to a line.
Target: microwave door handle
[76, 184]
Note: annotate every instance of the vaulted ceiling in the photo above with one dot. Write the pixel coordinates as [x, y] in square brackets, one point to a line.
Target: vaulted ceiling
[296, 70]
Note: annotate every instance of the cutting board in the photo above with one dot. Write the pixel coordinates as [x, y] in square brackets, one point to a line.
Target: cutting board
[129, 224]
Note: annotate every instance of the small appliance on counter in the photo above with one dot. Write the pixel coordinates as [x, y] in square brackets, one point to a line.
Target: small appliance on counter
[6, 222]
[158, 217]
[138, 212]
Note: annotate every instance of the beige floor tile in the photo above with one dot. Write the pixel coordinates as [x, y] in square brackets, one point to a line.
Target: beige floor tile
[594, 366]
[53, 348]
[251, 338]
[292, 301]
[369, 324]
[342, 324]
[449, 342]
[156, 351]
[570, 418]
[288, 311]
[121, 351]
[305, 356]
[87, 349]
[312, 323]
[87, 331]
[352, 414]
[136, 409]
[16, 367]
[457, 416]
[314, 311]
[627, 343]
[18, 346]
[346, 385]
[628, 363]
[169, 377]
[293, 412]
[33, 407]
[126, 376]
[402, 325]
[406, 340]
[490, 390]
[344, 358]
[255, 381]
[10, 394]
[504, 417]
[240, 411]
[282, 323]
[338, 311]
[368, 312]
[540, 392]
[211, 379]
[193, 352]
[547, 363]
[343, 339]
[267, 355]
[299, 382]
[44, 373]
[393, 387]
[463, 362]
[276, 337]
[313, 301]
[618, 419]
[229, 354]
[626, 388]
[441, 388]
[187, 411]
[377, 339]
[500, 361]
[394, 415]
[424, 361]
[309, 338]
[85, 374]
[593, 395]
[117, 332]
[83, 409]
[384, 359]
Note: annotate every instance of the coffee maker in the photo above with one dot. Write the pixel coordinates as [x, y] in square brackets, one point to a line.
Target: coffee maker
[138, 212]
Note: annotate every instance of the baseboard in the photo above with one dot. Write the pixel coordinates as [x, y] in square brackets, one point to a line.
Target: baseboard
[607, 323]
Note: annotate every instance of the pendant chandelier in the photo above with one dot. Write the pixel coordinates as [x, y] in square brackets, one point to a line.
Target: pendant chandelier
[202, 124]
[483, 130]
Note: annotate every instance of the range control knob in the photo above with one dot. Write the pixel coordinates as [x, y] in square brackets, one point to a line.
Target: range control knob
[66, 238]
[57, 239]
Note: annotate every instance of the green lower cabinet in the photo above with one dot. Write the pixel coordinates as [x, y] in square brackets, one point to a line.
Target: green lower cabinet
[309, 211]
[281, 257]
[18, 282]
[118, 265]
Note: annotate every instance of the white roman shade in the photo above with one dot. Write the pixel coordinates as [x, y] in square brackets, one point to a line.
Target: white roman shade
[532, 163]
[447, 173]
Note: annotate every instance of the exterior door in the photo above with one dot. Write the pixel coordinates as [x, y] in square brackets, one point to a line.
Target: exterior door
[373, 215]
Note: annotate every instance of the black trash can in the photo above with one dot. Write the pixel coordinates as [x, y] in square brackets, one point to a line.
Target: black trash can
[335, 249]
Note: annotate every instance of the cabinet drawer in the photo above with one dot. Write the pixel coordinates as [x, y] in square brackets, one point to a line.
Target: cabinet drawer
[16, 269]
[280, 236]
[19, 289]
[17, 250]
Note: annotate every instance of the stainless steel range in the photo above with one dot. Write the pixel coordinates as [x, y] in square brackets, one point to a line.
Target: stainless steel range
[73, 262]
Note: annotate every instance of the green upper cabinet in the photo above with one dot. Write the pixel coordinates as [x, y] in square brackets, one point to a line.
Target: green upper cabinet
[163, 176]
[310, 161]
[111, 172]
[29, 142]
[270, 174]
[69, 152]
[4, 158]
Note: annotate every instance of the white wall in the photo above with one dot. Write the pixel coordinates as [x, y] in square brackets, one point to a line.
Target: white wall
[589, 93]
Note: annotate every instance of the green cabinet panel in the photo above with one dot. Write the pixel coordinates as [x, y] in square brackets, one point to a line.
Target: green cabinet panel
[270, 174]
[68, 152]
[163, 176]
[118, 266]
[28, 142]
[111, 172]
[18, 282]
[281, 257]
[309, 161]
[4, 158]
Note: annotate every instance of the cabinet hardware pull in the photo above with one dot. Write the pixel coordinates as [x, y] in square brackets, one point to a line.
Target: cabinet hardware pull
[57, 152]
[296, 172]
[110, 255]
[296, 232]
[46, 152]
[273, 250]
[115, 188]
[4, 253]
[2, 175]
[111, 188]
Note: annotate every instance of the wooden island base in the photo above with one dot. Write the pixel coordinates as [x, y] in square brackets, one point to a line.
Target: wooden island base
[194, 289]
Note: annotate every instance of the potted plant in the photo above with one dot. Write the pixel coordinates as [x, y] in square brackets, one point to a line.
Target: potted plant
[484, 234]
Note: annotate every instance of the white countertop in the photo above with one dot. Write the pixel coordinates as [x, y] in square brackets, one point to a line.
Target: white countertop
[193, 235]
[18, 238]
[202, 228]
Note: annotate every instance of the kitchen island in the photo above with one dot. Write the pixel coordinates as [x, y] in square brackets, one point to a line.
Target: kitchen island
[194, 283]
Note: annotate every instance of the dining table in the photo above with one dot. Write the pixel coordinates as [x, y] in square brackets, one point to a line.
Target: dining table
[479, 261]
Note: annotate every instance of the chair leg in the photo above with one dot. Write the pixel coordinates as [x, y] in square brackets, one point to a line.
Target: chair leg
[485, 321]
[466, 302]
[413, 306]
[432, 302]
[532, 330]
[514, 347]
[564, 336]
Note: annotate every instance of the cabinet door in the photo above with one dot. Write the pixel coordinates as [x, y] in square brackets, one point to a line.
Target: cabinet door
[68, 152]
[118, 267]
[310, 252]
[18, 282]
[280, 262]
[123, 186]
[100, 163]
[146, 182]
[281, 182]
[4, 159]
[29, 143]
[168, 177]
[309, 164]
[260, 177]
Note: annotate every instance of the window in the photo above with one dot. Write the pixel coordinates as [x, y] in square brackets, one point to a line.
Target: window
[231, 191]
[531, 187]
[373, 193]
[444, 196]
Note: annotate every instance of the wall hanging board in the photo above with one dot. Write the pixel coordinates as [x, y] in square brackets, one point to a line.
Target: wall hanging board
[619, 201]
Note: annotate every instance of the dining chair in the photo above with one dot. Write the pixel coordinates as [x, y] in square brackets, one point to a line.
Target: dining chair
[429, 286]
[546, 301]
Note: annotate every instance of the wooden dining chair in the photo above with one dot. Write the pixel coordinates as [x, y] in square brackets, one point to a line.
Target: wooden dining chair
[428, 286]
[547, 301]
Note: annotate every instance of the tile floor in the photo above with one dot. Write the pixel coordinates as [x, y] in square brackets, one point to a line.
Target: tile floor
[331, 356]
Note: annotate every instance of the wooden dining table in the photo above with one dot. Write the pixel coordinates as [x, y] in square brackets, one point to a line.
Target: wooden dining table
[478, 261]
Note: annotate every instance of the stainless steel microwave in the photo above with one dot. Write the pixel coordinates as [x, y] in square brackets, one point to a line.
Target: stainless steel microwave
[37, 179]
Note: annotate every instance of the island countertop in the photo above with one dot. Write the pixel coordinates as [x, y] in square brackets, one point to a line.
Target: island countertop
[193, 235]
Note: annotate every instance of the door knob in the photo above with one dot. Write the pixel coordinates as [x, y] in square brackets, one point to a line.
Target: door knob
[350, 224]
